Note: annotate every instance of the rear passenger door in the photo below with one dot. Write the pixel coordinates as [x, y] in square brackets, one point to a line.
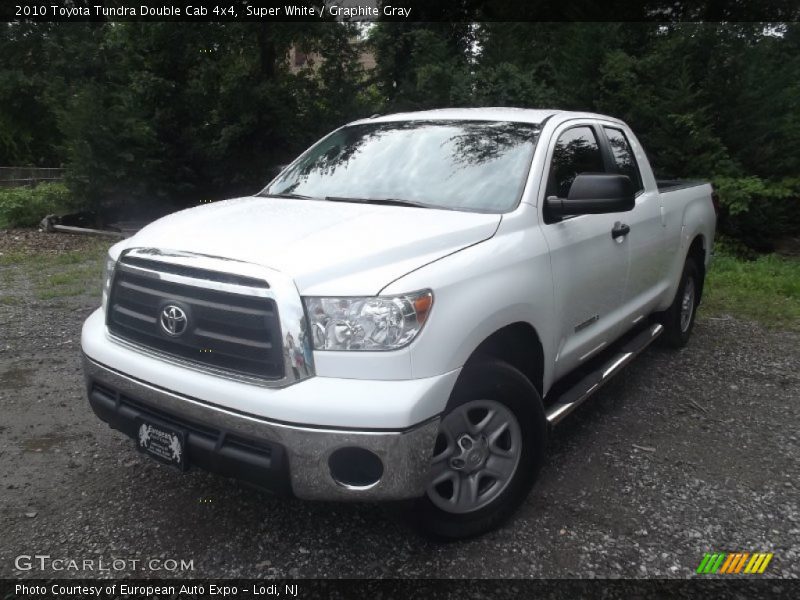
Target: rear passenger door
[646, 238]
[589, 266]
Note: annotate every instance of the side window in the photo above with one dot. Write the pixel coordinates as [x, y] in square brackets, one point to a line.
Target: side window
[623, 156]
[576, 152]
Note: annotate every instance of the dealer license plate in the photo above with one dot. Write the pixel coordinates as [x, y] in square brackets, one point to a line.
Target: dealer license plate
[162, 443]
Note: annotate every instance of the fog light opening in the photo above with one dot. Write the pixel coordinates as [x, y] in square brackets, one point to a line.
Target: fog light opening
[355, 468]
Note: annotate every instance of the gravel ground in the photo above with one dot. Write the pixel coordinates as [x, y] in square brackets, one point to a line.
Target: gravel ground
[684, 453]
[29, 242]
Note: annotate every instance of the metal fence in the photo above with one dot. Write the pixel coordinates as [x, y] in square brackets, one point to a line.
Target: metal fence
[20, 176]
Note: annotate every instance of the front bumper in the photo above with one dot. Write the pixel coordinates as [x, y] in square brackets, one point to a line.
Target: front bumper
[344, 402]
[271, 455]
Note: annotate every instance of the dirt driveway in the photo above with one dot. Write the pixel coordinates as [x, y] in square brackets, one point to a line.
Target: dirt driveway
[684, 453]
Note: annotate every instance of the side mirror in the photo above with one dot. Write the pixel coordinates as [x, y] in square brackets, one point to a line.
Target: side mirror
[594, 194]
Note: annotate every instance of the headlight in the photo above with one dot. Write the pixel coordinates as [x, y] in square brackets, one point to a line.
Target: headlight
[108, 274]
[373, 323]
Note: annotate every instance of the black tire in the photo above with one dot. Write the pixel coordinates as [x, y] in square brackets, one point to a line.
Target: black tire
[676, 330]
[492, 380]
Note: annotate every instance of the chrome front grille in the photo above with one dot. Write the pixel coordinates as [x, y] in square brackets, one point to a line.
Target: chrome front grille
[186, 307]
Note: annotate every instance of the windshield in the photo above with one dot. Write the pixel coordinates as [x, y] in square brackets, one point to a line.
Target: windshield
[459, 165]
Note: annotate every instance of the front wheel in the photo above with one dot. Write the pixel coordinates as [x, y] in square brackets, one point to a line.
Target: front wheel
[487, 455]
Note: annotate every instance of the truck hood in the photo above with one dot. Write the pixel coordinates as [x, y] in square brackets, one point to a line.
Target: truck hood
[328, 248]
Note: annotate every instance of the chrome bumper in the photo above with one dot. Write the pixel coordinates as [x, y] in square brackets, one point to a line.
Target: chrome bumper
[405, 454]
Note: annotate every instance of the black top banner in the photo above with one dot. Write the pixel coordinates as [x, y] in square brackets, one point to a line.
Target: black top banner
[399, 10]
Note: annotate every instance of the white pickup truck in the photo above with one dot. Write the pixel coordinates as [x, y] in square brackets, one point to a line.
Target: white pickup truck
[402, 313]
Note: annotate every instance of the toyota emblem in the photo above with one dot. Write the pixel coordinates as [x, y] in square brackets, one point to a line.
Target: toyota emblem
[173, 320]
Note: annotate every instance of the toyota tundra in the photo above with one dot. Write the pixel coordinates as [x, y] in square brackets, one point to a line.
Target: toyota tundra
[404, 312]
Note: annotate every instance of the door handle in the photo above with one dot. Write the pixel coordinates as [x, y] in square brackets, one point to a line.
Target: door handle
[620, 230]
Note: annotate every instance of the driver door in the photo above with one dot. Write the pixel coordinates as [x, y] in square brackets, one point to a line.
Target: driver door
[589, 266]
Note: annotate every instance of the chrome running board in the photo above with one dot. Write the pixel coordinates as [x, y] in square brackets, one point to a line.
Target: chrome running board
[581, 391]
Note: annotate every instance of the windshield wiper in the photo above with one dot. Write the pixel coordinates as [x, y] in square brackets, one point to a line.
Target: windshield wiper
[290, 195]
[384, 201]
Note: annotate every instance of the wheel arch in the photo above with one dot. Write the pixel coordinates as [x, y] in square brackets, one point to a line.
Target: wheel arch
[699, 252]
[517, 344]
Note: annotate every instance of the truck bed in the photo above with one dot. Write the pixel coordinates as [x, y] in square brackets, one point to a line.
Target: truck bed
[669, 185]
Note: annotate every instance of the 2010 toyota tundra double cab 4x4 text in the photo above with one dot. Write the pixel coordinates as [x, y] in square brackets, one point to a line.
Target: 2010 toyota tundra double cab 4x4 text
[404, 312]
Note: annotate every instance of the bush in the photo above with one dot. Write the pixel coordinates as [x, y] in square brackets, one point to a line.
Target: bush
[757, 211]
[27, 206]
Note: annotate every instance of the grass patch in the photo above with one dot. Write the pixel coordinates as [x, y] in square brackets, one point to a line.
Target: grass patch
[766, 290]
[77, 257]
[11, 259]
[75, 280]
[67, 274]
[75, 276]
[10, 300]
[61, 292]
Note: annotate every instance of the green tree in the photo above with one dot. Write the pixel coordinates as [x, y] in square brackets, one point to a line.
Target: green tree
[172, 114]
[423, 65]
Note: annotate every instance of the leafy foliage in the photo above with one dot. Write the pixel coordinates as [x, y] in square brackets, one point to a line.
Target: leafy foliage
[165, 115]
[711, 101]
[26, 206]
[757, 211]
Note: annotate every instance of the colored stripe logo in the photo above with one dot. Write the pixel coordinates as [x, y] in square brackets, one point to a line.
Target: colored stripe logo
[729, 563]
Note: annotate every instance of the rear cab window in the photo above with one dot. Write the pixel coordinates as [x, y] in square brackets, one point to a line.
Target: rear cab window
[623, 156]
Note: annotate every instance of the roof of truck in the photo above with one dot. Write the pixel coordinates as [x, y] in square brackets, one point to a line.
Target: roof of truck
[491, 113]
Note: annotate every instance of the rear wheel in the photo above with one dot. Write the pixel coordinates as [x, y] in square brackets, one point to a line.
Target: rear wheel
[487, 455]
[678, 319]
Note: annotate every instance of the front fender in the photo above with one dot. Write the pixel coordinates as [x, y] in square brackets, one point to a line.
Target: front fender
[480, 290]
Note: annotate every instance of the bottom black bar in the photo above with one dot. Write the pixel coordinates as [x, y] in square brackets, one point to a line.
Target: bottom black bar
[630, 589]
